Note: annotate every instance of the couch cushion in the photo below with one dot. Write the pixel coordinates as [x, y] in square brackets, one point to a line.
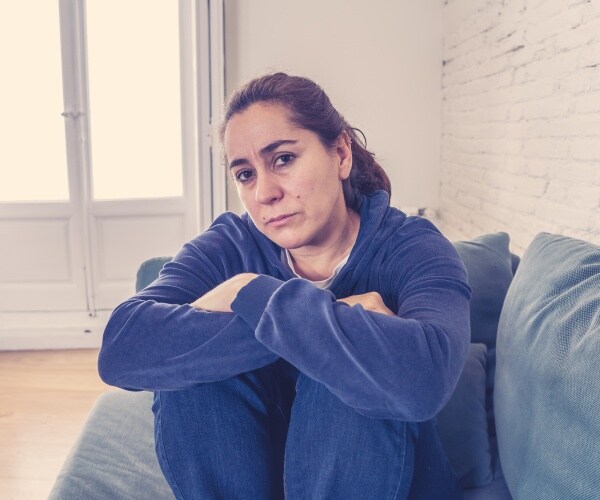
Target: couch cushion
[489, 272]
[490, 266]
[114, 456]
[547, 391]
[462, 424]
[496, 490]
[149, 271]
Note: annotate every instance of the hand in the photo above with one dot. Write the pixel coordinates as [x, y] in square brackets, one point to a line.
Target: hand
[371, 301]
[219, 299]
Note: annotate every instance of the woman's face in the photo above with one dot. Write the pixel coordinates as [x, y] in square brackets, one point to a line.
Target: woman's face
[289, 183]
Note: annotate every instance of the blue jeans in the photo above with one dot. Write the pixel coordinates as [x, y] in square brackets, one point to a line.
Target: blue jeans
[274, 433]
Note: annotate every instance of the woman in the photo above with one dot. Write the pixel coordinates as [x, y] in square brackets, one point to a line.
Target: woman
[304, 348]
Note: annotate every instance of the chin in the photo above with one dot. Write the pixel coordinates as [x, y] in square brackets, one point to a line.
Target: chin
[288, 239]
[288, 243]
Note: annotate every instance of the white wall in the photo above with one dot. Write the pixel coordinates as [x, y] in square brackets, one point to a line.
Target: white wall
[379, 62]
[521, 119]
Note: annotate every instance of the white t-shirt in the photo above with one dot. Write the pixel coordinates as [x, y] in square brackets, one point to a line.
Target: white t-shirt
[326, 283]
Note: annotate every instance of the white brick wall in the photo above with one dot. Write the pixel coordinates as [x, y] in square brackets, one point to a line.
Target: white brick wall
[521, 119]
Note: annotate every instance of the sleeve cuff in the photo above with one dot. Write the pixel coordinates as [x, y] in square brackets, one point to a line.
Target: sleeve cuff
[251, 301]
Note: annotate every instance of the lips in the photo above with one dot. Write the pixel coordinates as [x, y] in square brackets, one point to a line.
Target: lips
[280, 219]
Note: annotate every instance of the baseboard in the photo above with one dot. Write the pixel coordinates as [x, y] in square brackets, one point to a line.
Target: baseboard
[42, 331]
[43, 340]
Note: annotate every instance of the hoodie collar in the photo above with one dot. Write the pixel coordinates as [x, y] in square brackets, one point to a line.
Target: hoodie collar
[372, 213]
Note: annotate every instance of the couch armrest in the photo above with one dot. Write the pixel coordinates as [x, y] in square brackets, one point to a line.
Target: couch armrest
[114, 456]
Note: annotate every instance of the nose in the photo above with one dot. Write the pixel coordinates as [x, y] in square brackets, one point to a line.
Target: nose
[268, 189]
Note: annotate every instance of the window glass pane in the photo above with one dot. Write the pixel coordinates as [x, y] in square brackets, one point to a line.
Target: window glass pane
[134, 95]
[33, 164]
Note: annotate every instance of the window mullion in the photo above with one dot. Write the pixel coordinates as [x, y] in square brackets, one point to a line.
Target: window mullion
[76, 114]
[216, 21]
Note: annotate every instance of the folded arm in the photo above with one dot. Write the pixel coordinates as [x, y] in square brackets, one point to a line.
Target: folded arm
[403, 365]
[157, 340]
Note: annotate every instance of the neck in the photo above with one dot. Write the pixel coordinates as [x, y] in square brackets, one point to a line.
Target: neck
[318, 264]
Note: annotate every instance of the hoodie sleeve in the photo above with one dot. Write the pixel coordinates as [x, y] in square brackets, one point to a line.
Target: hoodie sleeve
[157, 341]
[403, 367]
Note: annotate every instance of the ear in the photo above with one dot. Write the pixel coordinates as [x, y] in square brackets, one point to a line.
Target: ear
[343, 151]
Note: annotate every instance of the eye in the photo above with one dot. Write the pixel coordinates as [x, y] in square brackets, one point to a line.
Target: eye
[283, 159]
[243, 175]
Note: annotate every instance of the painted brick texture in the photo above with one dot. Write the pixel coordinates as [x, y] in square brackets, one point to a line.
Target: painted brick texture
[521, 119]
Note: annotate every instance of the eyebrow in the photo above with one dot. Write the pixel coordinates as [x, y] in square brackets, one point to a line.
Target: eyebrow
[269, 148]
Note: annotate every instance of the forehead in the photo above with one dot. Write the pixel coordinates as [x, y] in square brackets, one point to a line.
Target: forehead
[257, 125]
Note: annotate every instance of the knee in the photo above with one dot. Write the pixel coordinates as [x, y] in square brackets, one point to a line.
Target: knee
[315, 402]
[312, 392]
[204, 401]
[257, 391]
[315, 399]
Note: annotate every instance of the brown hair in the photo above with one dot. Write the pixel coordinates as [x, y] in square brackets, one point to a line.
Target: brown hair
[311, 109]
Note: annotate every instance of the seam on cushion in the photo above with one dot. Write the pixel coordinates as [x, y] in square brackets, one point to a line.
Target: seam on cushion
[403, 460]
[164, 453]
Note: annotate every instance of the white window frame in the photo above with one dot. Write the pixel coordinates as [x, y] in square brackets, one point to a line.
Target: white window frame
[205, 196]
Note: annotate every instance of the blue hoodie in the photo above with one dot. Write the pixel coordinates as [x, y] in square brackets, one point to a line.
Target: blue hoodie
[402, 367]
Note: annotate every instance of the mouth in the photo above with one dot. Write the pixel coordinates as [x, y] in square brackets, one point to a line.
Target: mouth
[279, 220]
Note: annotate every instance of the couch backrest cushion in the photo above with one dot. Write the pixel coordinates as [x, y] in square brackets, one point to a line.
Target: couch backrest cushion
[547, 391]
[148, 271]
[462, 424]
[489, 272]
[489, 265]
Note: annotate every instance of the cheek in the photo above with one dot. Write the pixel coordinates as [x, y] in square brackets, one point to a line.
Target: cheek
[302, 187]
[246, 199]
[241, 194]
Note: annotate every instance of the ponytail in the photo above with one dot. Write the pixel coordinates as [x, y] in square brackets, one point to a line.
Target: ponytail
[366, 176]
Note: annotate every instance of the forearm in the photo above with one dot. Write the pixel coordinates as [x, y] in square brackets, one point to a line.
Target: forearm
[157, 341]
[157, 346]
[383, 366]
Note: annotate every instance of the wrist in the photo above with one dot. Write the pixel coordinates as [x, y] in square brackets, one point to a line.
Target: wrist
[252, 300]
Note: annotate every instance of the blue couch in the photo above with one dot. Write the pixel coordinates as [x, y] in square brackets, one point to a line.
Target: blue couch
[528, 397]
